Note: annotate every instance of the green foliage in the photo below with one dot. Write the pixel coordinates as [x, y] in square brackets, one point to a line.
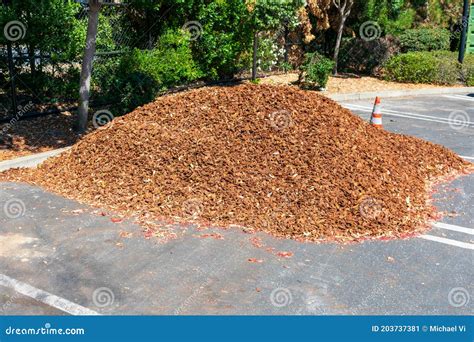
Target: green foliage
[439, 13]
[224, 38]
[424, 39]
[286, 66]
[415, 67]
[224, 47]
[169, 63]
[393, 16]
[315, 70]
[436, 67]
[50, 25]
[55, 33]
[62, 82]
[268, 55]
[269, 14]
[403, 21]
[137, 77]
[255, 81]
[467, 71]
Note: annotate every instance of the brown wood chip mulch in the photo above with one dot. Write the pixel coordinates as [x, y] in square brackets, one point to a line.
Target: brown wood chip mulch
[274, 158]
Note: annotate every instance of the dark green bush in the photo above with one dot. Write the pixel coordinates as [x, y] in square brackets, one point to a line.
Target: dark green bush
[366, 57]
[62, 83]
[135, 78]
[436, 67]
[424, 39]
[315, 70]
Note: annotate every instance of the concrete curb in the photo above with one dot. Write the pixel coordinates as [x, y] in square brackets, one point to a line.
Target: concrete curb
[30, 161]
[400, 93]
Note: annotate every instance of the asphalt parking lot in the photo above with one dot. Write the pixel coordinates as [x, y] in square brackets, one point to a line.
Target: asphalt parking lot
[61, 257]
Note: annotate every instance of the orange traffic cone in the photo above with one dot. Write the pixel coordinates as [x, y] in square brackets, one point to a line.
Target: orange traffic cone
[376, 118]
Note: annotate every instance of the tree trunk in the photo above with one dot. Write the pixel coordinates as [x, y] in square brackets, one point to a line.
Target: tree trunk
[86, 71]
[344, 9]
[287, 44]
[254, 62]
[338, 44]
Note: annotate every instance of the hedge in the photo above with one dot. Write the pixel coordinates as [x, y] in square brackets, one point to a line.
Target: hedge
[424, 39]
[435, 67]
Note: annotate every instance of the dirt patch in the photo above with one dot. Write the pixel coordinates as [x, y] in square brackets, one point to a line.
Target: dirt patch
[276, 159]
[22, 138]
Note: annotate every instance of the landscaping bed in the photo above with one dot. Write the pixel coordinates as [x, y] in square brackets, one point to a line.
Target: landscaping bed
[271, 158]
[41, 134]
[349, 83]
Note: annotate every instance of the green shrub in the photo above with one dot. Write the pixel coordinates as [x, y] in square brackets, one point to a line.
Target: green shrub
[449, 69]
[437, 67]
[225, 38]
[424, 39]
[169, 63]
[467, 71]
[315, 70]
[135, 78]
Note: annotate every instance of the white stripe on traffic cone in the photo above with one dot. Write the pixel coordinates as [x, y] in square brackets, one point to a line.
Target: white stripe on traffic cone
[376, 117]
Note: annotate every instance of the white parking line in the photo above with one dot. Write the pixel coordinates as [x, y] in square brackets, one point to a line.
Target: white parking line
[404, 113]
[367, 109]
[45, 297]
[471, 158]
[448, 241]
[422, 117]
[390, 114]
[454, 228]
[460, 97]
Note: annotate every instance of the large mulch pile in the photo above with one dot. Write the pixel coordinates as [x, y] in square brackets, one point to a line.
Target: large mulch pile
[276, 159]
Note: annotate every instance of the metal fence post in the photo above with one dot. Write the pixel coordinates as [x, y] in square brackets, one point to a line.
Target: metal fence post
[11, 69]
